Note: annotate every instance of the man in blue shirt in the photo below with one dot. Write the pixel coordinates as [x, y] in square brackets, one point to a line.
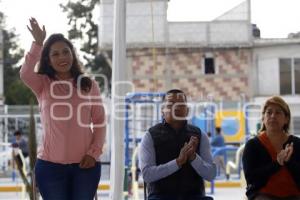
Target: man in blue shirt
[217, 142]
[174, 156]
[21, 143]
[218, 139]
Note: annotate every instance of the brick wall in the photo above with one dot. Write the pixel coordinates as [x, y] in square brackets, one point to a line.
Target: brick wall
[183, 68]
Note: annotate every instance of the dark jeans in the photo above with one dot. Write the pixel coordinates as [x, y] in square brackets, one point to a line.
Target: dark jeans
[66, 182]
[176, 197]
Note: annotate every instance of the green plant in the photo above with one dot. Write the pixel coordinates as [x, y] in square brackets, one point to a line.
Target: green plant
[32, 156]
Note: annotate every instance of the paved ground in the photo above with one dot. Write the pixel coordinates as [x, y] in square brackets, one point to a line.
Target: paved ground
[220, 194]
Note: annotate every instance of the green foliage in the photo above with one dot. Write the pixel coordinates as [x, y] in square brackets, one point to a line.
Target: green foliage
[19, 94]
[84, 30]
[12, 55]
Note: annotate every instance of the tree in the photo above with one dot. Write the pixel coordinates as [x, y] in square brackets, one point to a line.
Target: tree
[12, 55]
[18, 93]
[294, 35]
[83, 30]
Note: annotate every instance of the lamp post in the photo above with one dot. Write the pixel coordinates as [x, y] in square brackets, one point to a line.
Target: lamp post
[118, 100]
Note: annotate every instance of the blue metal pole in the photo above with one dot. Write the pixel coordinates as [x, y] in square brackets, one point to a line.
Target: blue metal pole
[127, 103]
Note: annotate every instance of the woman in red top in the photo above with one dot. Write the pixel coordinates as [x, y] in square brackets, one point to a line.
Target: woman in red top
[271, 160]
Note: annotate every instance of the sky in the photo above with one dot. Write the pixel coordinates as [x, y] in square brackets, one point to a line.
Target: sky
[275, 18]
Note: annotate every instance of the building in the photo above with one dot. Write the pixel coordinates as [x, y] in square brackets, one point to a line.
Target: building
[202, 58]
[223, 60]
[276, 71]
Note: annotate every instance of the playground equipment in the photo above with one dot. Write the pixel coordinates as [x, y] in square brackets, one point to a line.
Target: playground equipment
[5, 155]
[223, 152]
[204, 117]
[19, 157]
[237, 164]
[142, 111]
[233, 125]
[134, 178]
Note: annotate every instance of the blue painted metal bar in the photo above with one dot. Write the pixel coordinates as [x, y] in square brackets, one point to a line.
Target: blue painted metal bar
[136, 98]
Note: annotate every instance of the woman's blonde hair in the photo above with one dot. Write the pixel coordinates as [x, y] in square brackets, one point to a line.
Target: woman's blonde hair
[283, 105]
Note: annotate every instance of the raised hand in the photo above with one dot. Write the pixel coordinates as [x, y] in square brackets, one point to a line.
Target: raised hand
[38, 34]
[281, 156]
[289, 151]
[285, 154]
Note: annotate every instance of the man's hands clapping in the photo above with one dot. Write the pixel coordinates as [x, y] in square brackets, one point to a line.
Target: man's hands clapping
[188, 151]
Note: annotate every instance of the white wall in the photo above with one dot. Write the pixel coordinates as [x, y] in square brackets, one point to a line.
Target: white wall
[139, 22]
[267, 66]
[139, 31]
[229, 32]
[188, 32]
[268, 75]
[209, 33]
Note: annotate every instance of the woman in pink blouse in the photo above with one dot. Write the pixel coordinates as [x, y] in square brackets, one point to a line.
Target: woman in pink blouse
[72, 115]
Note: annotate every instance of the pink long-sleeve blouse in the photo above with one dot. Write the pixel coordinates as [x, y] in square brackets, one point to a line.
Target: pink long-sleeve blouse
[73, 121]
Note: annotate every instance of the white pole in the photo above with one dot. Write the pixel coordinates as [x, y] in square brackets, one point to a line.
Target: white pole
[118, 90]
[1, 68]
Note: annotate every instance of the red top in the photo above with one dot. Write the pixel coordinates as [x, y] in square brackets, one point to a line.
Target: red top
[280, 184]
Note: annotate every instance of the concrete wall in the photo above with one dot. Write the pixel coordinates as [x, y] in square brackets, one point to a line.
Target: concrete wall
[232, 31]
[188, 32]
[139, 23]
[267, 67]
[216, 34]
[229, 32]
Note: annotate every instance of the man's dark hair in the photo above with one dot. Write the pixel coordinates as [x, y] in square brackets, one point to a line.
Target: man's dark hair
[173, 91]
[18, 132]
[218, 130]
[208, 134]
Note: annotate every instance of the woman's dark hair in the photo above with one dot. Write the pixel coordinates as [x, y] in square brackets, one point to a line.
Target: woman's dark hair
[76, 70]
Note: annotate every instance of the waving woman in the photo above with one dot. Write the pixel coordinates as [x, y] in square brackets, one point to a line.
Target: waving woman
[68, 165]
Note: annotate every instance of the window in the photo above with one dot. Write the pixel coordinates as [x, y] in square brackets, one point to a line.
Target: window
[285, 76]
[209, 66]
[289, 75]
[296, 125]
[297, 75]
